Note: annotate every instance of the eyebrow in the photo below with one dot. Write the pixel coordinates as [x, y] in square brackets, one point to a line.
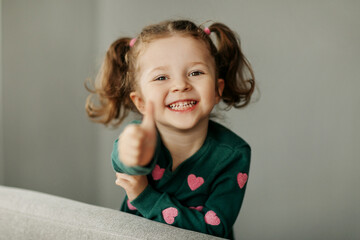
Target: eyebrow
[160, 68]
[164, 67]
[199, 63]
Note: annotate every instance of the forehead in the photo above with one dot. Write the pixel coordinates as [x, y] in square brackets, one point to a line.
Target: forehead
[174, 49]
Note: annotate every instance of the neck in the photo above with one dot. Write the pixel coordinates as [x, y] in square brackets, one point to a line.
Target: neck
[182, 144]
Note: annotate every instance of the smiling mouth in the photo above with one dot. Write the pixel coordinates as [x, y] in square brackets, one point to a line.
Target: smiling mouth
[182, 105]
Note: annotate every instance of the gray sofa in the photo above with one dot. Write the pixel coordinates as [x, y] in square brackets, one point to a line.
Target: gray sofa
[28, 214]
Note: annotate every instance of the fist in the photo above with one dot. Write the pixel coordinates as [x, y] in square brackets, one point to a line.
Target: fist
[136, 145]
[133, 185]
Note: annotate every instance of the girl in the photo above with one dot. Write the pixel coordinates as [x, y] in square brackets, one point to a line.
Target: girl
[177, 166]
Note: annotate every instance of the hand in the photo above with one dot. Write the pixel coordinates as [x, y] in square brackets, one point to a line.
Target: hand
[137, 143]
[133, 185]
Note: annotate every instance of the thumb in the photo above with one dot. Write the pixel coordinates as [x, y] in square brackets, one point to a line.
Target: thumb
[148, 122]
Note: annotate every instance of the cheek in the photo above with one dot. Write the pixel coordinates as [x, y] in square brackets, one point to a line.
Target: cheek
[153, 95]
[145, 92]
[210, 92]
[157, 97]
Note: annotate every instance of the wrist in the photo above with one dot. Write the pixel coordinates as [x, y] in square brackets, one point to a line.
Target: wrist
[147, 200]
[133, 194]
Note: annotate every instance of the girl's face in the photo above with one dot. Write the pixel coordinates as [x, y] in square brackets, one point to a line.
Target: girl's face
[177, 74]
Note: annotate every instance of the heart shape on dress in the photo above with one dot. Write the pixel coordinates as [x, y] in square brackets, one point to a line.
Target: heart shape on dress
[199, 208]
[130, 206]
[211, 218]
[170, 214]
[158, 172]
[241, 179]
[194, 182]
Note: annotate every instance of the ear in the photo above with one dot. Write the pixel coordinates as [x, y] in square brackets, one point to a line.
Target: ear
[138, 101]
[220, 89]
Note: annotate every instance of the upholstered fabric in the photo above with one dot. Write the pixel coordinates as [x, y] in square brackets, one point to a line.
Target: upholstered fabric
[28, 214]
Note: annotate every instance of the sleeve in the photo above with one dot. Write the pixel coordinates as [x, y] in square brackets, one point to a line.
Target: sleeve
[219, 212]
[122, 168]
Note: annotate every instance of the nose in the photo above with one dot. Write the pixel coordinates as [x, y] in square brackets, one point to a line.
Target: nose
[181, 84]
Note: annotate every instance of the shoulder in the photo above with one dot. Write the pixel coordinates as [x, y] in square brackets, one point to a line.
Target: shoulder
[230, 154]
[229, 151]
[225, 138]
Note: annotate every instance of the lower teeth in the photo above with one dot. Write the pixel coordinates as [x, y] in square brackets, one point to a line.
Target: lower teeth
[182, 107]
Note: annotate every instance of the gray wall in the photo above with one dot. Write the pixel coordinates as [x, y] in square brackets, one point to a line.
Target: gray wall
[304, 130]
[48, 52]
[1, 100]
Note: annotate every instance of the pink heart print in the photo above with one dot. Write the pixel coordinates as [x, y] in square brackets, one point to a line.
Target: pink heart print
[241, 179]
[199, 208]
[130, 206]
[170, 214]
[194, 182]
[211, 218]
[158, 172]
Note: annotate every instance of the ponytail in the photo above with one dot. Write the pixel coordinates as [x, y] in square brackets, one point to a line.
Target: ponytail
[113, 94]
[116, 78]
[233, 67]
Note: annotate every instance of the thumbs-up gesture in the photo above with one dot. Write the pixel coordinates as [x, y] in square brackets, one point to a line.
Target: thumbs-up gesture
[137, 143]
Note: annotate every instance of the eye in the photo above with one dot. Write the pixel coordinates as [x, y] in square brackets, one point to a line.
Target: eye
[161, 78]
[195, 73]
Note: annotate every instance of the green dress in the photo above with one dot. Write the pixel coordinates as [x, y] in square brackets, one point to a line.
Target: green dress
[203, 194]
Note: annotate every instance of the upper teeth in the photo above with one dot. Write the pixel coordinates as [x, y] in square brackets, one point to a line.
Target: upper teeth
[180, 105]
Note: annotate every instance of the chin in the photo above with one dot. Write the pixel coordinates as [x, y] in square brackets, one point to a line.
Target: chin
[187, 125]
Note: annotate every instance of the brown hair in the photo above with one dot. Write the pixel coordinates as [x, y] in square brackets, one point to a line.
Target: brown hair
[117, 74]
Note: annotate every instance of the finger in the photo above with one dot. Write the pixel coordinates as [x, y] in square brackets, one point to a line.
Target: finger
[118, 182]
[121, 182]
[125, 177]
[148, 122]
[121, 175]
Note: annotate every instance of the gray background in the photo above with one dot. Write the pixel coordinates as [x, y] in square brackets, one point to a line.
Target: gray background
[304, 129]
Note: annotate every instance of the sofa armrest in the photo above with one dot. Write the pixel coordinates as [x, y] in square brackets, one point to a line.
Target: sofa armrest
[26, 214]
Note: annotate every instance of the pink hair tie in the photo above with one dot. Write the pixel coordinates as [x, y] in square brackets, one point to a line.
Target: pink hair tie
[207, 31]
[132, 42]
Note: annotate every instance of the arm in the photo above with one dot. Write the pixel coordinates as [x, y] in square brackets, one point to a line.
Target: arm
[219, 212]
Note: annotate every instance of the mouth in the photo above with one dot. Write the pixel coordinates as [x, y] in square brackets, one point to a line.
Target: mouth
[182, 105]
